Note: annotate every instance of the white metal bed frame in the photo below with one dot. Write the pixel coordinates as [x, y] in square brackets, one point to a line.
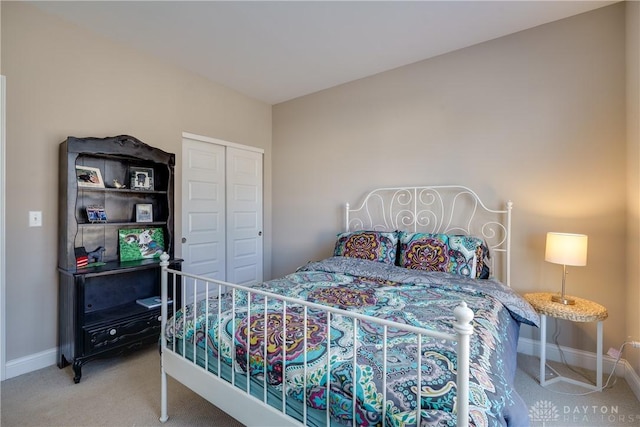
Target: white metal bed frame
[429, 209]
[447, 209]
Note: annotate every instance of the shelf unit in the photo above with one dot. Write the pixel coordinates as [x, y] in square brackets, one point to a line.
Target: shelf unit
[98, 312]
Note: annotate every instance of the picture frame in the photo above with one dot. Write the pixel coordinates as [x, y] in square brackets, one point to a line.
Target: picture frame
[140, 243]
[141, 178]
[89, 177]
[144, 212]
[96, 214]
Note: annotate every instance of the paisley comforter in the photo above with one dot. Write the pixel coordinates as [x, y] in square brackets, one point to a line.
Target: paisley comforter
[419, 298]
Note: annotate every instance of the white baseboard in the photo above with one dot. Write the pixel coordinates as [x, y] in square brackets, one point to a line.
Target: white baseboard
[632, 379]
[30, 363]
[583, 359]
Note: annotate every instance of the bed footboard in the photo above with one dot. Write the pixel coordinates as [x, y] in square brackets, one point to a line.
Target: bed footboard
[248, 394]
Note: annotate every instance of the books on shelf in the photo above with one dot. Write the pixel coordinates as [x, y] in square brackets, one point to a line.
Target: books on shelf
[151, 302]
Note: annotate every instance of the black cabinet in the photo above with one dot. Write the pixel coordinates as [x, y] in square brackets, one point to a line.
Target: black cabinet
[113, 192]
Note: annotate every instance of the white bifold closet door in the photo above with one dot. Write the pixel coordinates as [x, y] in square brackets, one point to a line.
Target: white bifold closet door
[222, 210]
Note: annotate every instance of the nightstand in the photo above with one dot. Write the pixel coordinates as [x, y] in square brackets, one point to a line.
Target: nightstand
[583, 311]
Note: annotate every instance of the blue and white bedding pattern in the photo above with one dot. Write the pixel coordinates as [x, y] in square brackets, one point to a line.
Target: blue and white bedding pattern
[415, 297]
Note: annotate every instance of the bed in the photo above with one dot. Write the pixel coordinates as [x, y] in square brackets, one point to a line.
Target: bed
[405, 318]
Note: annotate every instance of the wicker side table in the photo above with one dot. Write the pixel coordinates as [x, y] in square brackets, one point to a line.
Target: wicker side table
[583, 311]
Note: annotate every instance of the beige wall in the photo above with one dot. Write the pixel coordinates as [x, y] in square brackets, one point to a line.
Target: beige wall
[63, 80]
[633, 138]
[537, 117]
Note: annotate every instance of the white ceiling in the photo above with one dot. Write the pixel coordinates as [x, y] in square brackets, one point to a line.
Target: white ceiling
[277, 51]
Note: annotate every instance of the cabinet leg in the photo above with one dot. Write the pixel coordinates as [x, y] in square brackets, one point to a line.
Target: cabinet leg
[62, 362]
[77, 370]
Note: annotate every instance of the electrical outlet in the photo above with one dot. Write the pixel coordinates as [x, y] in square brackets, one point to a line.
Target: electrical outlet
[35, 218]
[635, 344]
[613, 353]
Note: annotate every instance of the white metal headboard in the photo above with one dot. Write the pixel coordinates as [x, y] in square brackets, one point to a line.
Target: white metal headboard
[448, 209]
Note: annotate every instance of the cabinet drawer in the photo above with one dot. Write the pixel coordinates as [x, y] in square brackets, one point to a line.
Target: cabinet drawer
[117, 334]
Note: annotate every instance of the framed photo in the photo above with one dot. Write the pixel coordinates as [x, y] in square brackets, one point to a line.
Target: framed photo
[140, 243]
[144, 212]
[96, 214]
[141, 178]
[87, 176]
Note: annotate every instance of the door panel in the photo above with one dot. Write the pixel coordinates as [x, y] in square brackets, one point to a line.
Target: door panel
[244, 216]
[203, 209]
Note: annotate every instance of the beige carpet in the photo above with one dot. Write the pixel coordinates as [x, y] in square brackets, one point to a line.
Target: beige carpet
[121, 391]
[125, 391]
[566, 405]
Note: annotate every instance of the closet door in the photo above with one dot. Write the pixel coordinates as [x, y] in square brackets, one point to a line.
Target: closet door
[244, 216]
[222, 210]
[203, 209]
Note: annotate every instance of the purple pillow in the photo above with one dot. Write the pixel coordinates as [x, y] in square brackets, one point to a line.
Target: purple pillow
[458, 254]
[378, 246]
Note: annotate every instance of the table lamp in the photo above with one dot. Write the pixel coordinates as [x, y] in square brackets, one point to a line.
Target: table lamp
[566, 249]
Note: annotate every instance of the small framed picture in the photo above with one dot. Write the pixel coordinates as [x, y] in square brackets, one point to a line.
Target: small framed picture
[141, 243]
[96, 214]
[144, 212]
[87, 176]
[141, 178]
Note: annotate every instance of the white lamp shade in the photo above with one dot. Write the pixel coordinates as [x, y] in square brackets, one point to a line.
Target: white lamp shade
[566, 249]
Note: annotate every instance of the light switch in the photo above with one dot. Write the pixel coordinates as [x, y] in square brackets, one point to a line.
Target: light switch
[35, 218]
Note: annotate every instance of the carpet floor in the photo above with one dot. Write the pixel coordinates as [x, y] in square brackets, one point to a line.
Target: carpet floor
[563, 404]
[125, 391]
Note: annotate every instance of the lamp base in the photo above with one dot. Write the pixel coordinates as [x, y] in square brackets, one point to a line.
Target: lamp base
[561, 299]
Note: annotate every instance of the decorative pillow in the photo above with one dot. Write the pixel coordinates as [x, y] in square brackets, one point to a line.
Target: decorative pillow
[458, 254]
[378, 246]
